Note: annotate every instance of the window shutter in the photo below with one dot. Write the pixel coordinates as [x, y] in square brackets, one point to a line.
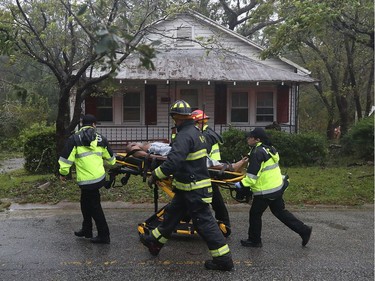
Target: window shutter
[220, 115]
[90, 105]
[150, 105]
[283, 104]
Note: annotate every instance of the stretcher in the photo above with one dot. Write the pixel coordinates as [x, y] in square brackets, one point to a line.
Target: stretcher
[127, 166]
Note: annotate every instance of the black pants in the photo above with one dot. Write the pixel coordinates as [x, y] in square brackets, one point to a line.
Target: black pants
[218, 205]
[277, 206]
[191, 202]
[92, 209]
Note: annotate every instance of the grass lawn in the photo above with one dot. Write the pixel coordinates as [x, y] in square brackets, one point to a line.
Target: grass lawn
[344, 185]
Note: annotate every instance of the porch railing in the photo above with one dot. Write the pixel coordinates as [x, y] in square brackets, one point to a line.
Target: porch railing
[119, 136]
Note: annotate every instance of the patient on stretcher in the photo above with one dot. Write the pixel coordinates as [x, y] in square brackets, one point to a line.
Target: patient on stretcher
[158, 149]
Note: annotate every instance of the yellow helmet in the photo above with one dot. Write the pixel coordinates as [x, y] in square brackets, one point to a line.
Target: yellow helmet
[180, 107]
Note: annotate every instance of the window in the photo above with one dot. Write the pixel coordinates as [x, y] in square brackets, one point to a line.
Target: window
[104, 109]
[184, 35]
[191, 97]
[132, 107]
[264, 107]
[239, 110]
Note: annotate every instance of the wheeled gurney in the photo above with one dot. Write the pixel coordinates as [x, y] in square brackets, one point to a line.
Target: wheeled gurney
[128, 165]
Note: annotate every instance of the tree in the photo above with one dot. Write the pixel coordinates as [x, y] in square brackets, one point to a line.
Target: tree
[335, 40]
[73, 38]
[247, 17]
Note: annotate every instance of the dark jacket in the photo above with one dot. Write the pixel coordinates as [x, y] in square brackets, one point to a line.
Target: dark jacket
[187, 159]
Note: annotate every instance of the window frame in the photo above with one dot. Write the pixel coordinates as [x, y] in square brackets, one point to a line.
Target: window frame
[184, 41]
[273, 116]
[132, 122]
[100, 107]
[247, 106]
[193, 106]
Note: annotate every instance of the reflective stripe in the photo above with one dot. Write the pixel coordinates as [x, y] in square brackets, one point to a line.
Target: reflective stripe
[157, 235]
[159, 173]
[112, 159]
[220, 252]
[215, 152]
[193, 185]
[88, 153]
[66, 161]
[252, 176]
[268, 191]
[91, 181]
[196, 155]
[207, 200]
[270, 167]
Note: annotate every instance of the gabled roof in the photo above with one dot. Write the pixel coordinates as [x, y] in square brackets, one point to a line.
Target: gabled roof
[201, 65]
[196, 64]
[242, 38]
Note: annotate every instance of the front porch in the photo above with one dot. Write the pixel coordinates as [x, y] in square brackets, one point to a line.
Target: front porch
[119, 136]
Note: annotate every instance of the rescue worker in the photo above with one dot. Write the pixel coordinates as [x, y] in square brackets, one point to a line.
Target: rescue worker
[213, 141]
[87, 149]
[193, 192]
[267, 184]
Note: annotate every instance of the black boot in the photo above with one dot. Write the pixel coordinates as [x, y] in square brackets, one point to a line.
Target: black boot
[83, 233]
[250, 243]
[101, 240]
[223, 263]
[306, 236]
[151, 243]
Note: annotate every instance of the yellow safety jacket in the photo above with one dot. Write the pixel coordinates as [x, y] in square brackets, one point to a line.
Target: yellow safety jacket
[213, 141]
[263, 174]
[86, 149]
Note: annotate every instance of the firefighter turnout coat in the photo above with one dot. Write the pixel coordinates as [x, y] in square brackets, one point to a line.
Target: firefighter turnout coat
[186, 159]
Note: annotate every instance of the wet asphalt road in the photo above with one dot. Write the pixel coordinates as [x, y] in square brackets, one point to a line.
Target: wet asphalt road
[40, 245]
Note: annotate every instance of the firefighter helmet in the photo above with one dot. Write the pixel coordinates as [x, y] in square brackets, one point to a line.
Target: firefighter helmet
[199, 115]
[180, 107]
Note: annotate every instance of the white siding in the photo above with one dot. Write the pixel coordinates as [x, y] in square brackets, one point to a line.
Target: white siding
[202, 29]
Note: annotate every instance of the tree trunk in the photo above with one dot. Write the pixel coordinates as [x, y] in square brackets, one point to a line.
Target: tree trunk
[369, 90]
[62, 120]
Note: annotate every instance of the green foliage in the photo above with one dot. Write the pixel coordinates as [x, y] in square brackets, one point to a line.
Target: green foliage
[295, 149]
[360, 139]
[235, 146]
[19, 113]
[299, 149]
[40, 150]
[352, 186]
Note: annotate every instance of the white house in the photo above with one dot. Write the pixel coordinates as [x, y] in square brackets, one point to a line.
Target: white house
[211, 67]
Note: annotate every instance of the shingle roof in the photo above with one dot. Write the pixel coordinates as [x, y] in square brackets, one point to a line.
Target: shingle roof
[204, 65]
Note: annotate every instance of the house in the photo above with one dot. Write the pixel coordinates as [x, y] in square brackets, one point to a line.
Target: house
[211, 67]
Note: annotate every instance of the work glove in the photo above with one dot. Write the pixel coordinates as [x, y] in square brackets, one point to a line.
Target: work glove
[152, 180]
[242, 192]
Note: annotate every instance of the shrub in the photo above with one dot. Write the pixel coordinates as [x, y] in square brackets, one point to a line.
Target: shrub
[294, 149]
[360, 139]
[16, 115]
[40, 149]
[299, 149]
[235, 145]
